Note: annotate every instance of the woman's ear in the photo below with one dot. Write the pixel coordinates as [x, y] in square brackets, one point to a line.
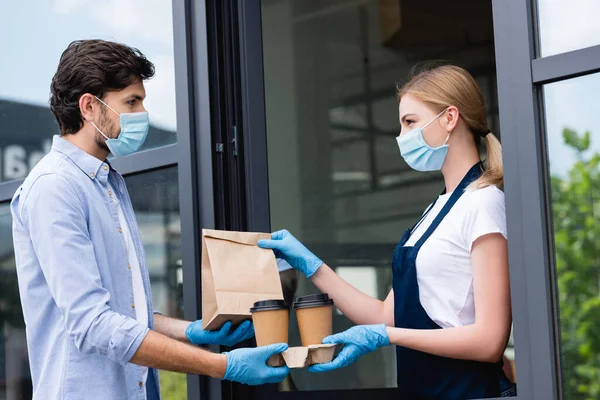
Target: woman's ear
[450, 118]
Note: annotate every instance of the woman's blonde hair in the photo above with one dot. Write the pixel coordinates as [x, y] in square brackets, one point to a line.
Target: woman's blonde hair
[450, 85]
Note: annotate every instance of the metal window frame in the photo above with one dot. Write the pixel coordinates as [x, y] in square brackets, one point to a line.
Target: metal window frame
[526, 204]
[188, 174]
[521, 77]
[566, 65]
[196, 174]
[147, 160]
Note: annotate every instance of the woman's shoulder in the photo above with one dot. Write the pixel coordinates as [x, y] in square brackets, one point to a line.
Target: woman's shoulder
[489, 196]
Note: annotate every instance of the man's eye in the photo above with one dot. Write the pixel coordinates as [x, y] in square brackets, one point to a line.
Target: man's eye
[131, 102]
[409, 121]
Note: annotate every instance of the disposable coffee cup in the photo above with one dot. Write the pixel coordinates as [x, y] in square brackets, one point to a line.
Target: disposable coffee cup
[271, 321]
[314, 313]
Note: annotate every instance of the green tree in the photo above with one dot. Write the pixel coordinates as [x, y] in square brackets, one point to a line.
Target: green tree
[173, 386]
[575, 206]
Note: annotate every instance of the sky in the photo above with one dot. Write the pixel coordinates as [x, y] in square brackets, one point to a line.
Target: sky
[566, 25]
[34, 36]
[35, 33]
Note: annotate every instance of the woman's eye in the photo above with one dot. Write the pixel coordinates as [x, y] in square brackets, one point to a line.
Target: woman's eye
[409, 121]
[131, 102]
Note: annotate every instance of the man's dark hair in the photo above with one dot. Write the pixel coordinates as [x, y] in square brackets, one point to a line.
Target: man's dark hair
[96, 67]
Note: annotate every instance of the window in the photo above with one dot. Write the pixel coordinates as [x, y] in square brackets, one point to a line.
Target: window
[15, 379]
[34, 38]
[567, 25]
[336, 177]
[574, 155]
[155, 199]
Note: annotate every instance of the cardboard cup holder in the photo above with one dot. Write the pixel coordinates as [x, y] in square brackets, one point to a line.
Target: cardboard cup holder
[301, 357]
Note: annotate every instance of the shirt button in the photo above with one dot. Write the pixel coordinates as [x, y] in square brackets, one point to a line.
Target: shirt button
[105, 167]
[120, 230]
[110, 192]
[92, 174]
[140, 383]
[128, 266]
[132, 305]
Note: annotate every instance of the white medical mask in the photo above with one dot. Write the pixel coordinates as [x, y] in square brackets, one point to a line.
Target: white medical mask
[418, 154]
[134, 130]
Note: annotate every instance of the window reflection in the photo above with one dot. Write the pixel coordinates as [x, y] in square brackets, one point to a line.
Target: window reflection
[574, 156]
[26, 123]
[15, 379]
[155, 199]
[336, 178]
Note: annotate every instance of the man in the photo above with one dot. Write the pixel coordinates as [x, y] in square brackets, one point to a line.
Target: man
[83, 280]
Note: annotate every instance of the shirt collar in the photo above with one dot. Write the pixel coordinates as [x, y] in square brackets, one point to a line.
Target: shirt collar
[91, 166]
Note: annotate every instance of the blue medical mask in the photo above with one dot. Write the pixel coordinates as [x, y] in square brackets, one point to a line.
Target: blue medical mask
[418, 154]
[134, 130]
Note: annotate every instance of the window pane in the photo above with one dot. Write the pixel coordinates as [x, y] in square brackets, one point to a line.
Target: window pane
[336, 177]
[574, 154]
[35, 46]
[155, 199]
[15, 378]
[567, 25]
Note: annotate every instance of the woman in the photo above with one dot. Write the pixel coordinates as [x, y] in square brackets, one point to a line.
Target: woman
[449, 312]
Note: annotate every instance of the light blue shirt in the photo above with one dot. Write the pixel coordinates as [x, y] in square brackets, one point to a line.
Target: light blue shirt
[74, 279]
[282, 265]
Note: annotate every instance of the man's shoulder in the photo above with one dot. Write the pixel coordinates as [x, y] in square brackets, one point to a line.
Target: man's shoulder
[53, 173]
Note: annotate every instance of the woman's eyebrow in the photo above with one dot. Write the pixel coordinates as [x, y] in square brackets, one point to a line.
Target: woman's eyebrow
[406, 115]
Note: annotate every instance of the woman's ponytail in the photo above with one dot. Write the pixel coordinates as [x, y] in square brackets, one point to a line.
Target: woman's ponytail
[493, 172]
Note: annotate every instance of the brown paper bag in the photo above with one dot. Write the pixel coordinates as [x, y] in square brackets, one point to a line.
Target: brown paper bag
[235, 274]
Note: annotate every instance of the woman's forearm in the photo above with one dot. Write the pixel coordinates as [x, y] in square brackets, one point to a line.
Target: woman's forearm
[470, 342]
[359, 307]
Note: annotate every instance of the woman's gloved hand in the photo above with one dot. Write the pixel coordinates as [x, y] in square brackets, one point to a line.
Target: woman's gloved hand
[249, 365]
[286, 246]
[223, 337]
[357, 341]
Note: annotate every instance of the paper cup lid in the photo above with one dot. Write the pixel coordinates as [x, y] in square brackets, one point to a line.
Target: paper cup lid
[313, 300]
[269, 305]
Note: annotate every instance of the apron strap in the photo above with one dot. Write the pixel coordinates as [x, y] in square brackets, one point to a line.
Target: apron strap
[474, 173]
[416, 225]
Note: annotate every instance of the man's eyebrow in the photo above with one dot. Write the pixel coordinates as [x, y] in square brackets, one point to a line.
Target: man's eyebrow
[406, 115]
[135, 96]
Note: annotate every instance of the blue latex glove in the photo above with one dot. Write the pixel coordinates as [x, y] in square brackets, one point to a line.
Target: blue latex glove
[223, 337]
[249, 365]
[357, 341]
[286, 246]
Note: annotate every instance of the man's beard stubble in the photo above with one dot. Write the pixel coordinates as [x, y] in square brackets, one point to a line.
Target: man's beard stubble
[108, 127]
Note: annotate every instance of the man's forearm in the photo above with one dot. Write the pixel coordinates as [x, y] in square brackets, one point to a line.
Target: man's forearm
[171, 327]
[161, 352]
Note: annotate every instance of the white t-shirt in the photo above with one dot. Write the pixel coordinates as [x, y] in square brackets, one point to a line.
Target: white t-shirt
[444, 270]
[139, 295]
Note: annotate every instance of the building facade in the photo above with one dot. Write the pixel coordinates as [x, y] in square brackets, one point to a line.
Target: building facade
[271, 114]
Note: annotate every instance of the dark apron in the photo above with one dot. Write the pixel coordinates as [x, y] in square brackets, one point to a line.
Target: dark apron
[423, 375]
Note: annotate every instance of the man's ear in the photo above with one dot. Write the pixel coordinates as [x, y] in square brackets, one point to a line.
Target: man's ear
[87, 106]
